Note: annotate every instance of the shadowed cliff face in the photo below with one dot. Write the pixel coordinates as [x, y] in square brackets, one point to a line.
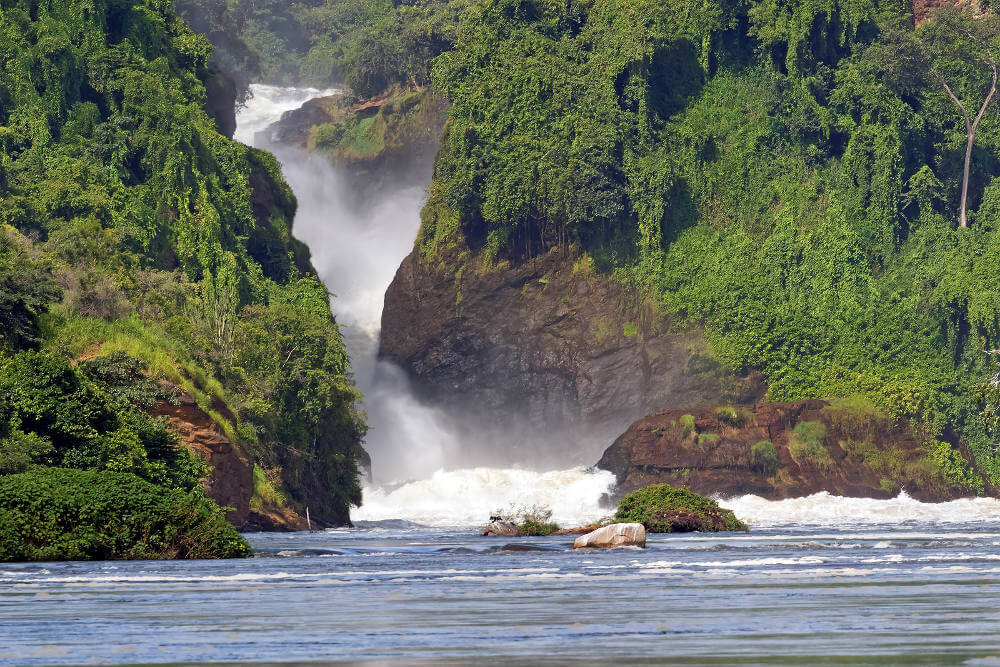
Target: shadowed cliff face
[547, 358]
[782, 450]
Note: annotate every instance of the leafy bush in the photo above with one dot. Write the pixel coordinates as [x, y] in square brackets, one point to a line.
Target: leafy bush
[26, 291]
[688, 423]
[84, 417]
[533, 521]
[730, 415]
[662, 508]
[764, 457]
[806, 445]
[61, 514]
[954, 469]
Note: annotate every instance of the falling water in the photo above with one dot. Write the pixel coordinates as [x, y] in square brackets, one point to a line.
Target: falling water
[423, 472]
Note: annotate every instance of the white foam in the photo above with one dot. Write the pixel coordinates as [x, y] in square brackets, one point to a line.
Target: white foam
[823, 509]
[467, 497]
[268, 103]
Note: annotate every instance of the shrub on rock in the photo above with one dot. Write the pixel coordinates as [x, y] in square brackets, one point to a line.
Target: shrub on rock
[662, 508]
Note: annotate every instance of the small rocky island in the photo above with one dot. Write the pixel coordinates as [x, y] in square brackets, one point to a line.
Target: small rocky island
[658, 508]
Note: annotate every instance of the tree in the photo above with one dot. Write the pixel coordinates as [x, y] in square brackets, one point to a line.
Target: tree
[26, 291]
[954, 52]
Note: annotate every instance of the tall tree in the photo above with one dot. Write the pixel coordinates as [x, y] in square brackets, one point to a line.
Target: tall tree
[953, 51]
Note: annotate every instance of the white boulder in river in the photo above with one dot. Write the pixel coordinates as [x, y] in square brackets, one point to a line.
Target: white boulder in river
[615, 535]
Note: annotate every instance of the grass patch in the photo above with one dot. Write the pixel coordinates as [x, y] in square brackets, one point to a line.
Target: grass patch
[806, 445]
[266, 484]
[764, 457]
[728, 414]
[688, 423]
[707, 439]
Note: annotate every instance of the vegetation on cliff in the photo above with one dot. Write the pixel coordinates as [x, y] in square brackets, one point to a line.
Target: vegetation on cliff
[664, 509]
[135, 235]
[760, 169]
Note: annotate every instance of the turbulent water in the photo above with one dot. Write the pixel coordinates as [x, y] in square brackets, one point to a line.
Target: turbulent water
[810, 590]
[817, 580]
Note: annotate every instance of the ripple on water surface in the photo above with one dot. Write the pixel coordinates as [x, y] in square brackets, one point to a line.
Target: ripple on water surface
[923, 592]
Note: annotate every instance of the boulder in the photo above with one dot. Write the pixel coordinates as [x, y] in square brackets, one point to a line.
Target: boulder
[615, 535]
[500, 528]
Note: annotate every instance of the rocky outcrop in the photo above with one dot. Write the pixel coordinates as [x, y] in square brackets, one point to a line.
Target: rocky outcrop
[543, 346]
[500, 528]
[230, 474]
[783, 450]
[383, 143]
[615, 535]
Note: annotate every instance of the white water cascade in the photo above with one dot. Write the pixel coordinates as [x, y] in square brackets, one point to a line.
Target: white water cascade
[414, 451]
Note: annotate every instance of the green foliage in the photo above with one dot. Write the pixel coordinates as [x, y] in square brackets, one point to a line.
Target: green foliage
[757, 170]
[533, 521]
[688, 424]
[806, 445]
[764, 457]
[264, 489]
[60, 514]
[706, 439]
[659, 506]
[955, 469]
[64, 416]
[731, 415]
[26, 290]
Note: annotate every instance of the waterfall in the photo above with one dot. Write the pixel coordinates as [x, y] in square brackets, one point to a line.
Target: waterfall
[356, 251]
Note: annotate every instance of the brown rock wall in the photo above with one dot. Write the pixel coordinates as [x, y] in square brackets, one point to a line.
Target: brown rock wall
[863, 455]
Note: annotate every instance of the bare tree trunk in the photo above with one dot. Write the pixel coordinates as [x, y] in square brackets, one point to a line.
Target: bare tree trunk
[970, 131]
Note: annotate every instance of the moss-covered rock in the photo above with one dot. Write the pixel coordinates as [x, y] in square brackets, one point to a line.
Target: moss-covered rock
[662, 508]
[845, 447]
[64, 514]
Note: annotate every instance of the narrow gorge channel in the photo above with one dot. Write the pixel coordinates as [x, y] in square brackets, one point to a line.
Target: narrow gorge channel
[422, 471]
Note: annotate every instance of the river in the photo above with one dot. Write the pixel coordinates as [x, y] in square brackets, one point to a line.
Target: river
[800, 587]
[816, 580]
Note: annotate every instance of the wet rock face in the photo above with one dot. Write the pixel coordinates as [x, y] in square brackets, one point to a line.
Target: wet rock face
[541, 346]
[500, 528]
[778, 450]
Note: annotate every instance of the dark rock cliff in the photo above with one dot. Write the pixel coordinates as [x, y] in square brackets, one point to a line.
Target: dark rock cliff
[784, 450]
[545, 346]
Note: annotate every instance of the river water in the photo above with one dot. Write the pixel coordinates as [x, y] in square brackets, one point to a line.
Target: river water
[817, 580]
[808, 589]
